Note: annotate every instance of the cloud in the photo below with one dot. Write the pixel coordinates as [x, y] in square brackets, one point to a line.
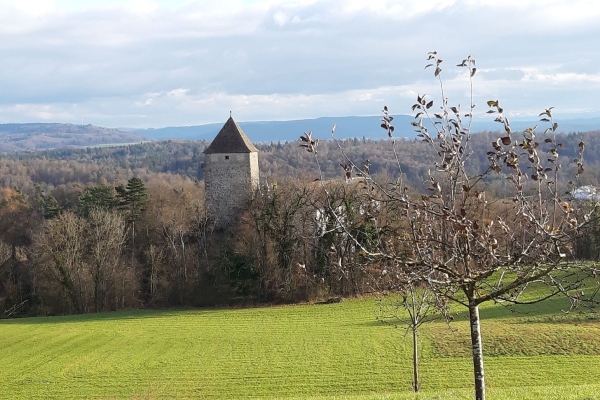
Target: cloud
[33, 8]
[158, 63]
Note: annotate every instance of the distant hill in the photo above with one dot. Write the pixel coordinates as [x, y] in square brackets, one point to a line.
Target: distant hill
[347, 127]
[267, 131]
[41, 136]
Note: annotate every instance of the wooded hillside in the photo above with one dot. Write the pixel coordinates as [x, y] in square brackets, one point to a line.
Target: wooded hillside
[135, 215]
[38, 136]
[277, 159]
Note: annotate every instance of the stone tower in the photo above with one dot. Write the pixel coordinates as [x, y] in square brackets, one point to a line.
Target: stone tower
[230, 173]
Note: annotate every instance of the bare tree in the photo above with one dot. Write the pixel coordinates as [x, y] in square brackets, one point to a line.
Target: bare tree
[413, 305]
[106, 235]
[276, 226]
[60, 248]
[5, 256]
[171, 270]
[450, 236]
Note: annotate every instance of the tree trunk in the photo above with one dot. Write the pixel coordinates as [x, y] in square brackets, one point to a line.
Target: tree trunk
[415, 359]
[477, 351]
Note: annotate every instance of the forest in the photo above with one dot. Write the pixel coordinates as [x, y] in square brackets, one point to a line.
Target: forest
[108, 228]
[41, 136]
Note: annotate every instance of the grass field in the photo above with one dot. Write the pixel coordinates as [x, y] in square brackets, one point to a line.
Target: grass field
[336, 351]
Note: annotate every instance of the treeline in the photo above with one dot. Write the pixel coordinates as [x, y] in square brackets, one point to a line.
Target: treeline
[110, 248]
[410, 159]
[87, 231]
[110, 228]
[150, 245]
[141, 245]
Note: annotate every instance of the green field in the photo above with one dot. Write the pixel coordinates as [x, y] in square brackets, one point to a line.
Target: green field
[336, 351]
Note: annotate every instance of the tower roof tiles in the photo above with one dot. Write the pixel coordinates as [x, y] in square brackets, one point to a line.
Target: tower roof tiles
[231, 139]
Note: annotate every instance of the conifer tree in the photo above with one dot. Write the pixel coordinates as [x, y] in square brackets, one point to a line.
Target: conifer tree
[101, 197]
[51, 207]
[131, 200]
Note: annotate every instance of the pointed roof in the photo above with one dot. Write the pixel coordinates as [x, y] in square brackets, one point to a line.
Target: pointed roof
[231, 139]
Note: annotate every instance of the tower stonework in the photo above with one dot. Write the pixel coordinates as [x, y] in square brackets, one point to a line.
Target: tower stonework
[230, 173]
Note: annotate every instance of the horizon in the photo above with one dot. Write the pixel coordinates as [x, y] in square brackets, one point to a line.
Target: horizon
[477, 120]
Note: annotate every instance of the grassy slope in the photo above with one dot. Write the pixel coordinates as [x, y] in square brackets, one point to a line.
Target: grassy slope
[320, 351]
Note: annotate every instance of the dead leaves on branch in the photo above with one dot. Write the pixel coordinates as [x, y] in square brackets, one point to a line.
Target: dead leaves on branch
[387, 121]
[308, 142]
[509, 154]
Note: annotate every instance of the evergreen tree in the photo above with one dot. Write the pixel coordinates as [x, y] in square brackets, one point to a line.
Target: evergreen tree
[47, 205]
[51, 207]
[96, 197]
[132, 198]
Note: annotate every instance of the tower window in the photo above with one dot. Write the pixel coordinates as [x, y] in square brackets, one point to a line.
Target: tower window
[227, 157]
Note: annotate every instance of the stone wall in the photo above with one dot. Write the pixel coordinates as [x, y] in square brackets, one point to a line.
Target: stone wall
[230, 180]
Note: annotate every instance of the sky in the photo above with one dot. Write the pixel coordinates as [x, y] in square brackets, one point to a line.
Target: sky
[151, 63]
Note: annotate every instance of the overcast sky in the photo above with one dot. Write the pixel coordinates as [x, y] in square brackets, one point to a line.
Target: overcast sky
[145, 63]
